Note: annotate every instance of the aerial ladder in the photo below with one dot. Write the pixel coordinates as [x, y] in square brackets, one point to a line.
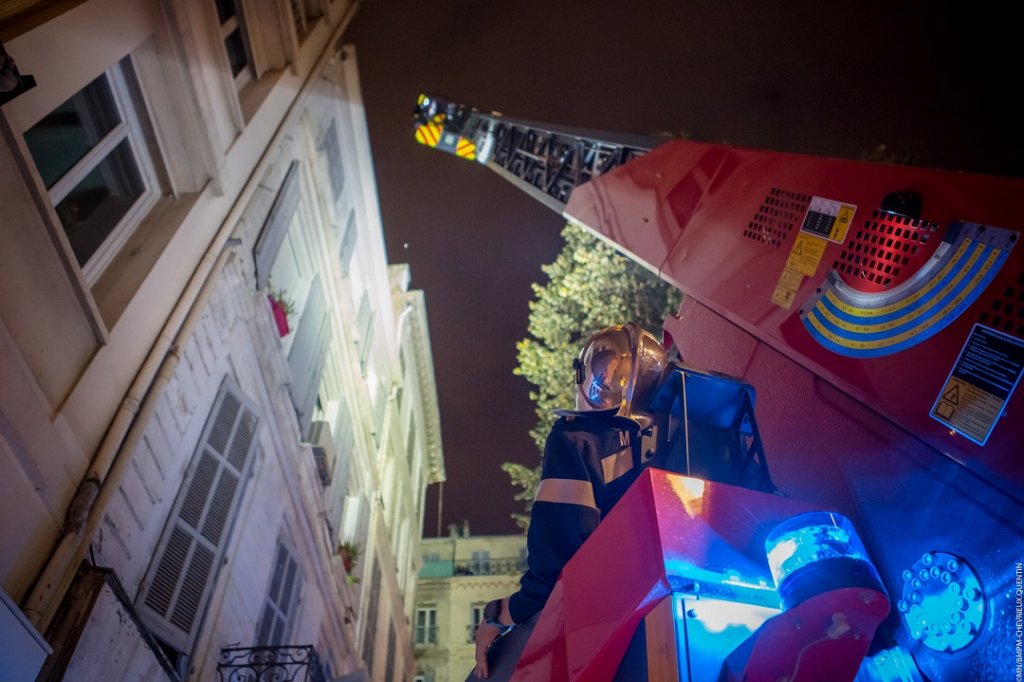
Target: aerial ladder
[879, 311]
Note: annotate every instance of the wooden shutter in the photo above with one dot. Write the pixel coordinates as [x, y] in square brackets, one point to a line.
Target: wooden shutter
[348, 243]
[308, 353]
[370, 634]
[181, 576]
[275, 227]
[279, 610]
[389, 670]
[364, 330]
[334, 168]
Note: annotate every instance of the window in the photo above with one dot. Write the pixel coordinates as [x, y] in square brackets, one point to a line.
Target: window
[480, 564]
[389, 670]
[181, 576]
[364, 330]
[332, 149]
[476, 616]
[410, 443]
[279, 610]
[304, 14]
[426, 625]
[348, 243]
[232, 31]
[370, 634]
[92, 156]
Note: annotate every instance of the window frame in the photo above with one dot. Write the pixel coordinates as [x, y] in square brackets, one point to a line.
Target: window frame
[130, 108]
[476, 616]
[289, 611]
[237, 22]
[425, 634]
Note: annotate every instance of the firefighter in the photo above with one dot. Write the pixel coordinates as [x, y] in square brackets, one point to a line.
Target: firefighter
[591, 457]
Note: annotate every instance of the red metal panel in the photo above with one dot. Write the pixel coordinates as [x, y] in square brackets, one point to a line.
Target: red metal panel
[721, 223]
[667, 532]
[825, 447]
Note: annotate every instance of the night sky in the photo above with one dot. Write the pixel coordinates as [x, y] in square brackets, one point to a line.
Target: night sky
[819, 77]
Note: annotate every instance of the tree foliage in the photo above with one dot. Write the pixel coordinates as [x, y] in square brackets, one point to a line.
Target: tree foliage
[590, 286]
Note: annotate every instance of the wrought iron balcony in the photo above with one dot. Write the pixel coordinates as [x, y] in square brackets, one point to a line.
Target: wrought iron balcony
[270, 664]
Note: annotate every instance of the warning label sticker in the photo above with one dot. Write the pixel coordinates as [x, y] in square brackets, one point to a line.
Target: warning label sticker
[785, 290]
[806, 254]
[985, 375]
[828, 219]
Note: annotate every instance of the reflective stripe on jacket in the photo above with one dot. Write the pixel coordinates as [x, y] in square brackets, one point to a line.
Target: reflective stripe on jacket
[590, 460]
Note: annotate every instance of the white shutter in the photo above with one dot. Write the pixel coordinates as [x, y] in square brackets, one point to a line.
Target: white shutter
[181, 575]
[332, 149]
[370, 633]
[308, 353]
[348, 243]
[279, 610]
[276, 225]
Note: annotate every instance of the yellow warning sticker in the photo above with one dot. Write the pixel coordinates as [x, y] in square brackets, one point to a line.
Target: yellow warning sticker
[806, 254]
[842, 225]
[785, 291]
[783, 297]
[981, 383]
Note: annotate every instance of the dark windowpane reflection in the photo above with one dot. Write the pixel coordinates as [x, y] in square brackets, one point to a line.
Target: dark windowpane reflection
[95, 206]
[65, 135]
[225, 10]
[236, 51]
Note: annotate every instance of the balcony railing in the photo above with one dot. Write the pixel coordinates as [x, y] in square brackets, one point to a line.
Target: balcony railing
[270, 664]
[447, 569]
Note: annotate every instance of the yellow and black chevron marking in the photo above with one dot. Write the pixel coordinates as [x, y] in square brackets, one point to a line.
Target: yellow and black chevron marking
[465, 149]
[872, 325]
[428, 134]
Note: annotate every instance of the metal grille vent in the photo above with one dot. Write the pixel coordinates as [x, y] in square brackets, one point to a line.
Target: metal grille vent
[781, 211]
[1007, 312]
[885, 251]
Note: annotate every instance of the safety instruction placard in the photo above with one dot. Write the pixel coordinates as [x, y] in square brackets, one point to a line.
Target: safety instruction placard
[983, 379]
[785, 290]
[828, 219]
[806, 254]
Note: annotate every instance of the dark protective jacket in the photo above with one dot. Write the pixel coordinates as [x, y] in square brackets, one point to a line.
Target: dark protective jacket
[590, 460]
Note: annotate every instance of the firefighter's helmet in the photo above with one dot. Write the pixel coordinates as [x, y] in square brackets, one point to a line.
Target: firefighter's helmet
[619, 369]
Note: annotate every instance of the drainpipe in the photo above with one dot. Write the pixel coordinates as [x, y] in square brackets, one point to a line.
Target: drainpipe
[114, 455]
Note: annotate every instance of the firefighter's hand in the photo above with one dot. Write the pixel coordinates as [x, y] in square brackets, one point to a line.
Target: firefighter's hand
[485, 634]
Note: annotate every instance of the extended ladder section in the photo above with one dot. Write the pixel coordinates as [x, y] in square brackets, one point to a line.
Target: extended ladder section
[547, 162]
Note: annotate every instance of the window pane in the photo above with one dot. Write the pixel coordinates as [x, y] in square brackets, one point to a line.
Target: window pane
[225, 9]
[266, 623]
[236, 51]
[92, 210]
[65, 134]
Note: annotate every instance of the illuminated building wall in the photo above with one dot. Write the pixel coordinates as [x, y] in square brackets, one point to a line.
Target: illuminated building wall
[214, 388]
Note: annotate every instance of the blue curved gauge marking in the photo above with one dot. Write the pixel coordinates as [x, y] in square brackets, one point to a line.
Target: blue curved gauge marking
[994, 246]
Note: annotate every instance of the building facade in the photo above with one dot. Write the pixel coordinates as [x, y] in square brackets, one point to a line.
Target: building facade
[460, 574]
[218, 414]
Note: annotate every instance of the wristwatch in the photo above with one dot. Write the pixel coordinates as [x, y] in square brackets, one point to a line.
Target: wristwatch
[492, 612]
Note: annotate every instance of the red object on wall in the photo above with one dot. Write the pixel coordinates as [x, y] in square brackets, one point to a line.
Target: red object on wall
[280, 316]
